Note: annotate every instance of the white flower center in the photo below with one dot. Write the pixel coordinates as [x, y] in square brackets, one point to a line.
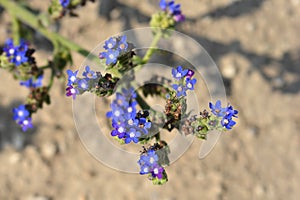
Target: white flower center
[20, 113]
[130, 122]
[117, 113]
[83, 85]
[155, 171]
[225, 121]
[121, 130]
[73, 91]
[11, 51]
[111, 56]
[146, 170]
[129, 109]
[25, 122]
[18, 58]
[132, 134]
[178, 75]
[152, 160]
[189, 85]
[110, 45]
[73, 78]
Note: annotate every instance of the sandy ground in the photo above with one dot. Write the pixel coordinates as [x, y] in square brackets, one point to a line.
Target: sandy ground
[259, 159]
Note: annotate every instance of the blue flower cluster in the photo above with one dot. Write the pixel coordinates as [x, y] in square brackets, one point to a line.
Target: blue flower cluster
[127, 123]
[16, 53]
[22, 116]
[31, 83]
[173, 9]
[184, 79]
[149, 164]
[78, 85]
[64, 3]
[115, 47]
[226, 114]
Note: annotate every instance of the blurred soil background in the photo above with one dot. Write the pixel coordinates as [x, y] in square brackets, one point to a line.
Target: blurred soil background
[256, 45]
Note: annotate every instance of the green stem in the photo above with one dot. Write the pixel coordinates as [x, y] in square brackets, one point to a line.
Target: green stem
[15, 29]
[32, 20]
[152, 48]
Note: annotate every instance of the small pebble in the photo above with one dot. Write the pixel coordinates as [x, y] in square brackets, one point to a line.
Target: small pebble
[48, 150]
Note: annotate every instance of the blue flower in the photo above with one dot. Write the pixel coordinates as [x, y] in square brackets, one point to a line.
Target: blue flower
[120, 130]
[71, 77]
[144, 125]
[90, 74]
[71, 91]
[151, 157]
[217, 109]
[116, 113]
[30, 83]
[20, 113]
[163, 5]
[190, 83]
[180, 90]
[110, 43]
[83, 84]
[174, 8]
[26, 124]
[132, 135]
[179, 73]
[64, 3]
[122, 44]
[111, 56]
[16, 54]
[157, 171]
[149, 164]
[19, 58]
[231, 112]
[227, 122]
[9, 48]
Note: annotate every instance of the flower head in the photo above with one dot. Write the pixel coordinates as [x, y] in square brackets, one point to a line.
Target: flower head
[9, 48]
[71, 91]
[217, 109]
[172, 9]
[20, 113]
[26, 124]
[30, 83]
[149, 164]
[111, 56]
[180, 90]
[122, 44]
[227, 122]
[83, 84]
[110, 43]
[64, 3]
[190, 83]
[16, 53]
[72, 77]
[90, 74]
[132, 135]
[179, 73]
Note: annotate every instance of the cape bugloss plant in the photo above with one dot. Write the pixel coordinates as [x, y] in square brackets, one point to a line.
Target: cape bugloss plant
[132, 120]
